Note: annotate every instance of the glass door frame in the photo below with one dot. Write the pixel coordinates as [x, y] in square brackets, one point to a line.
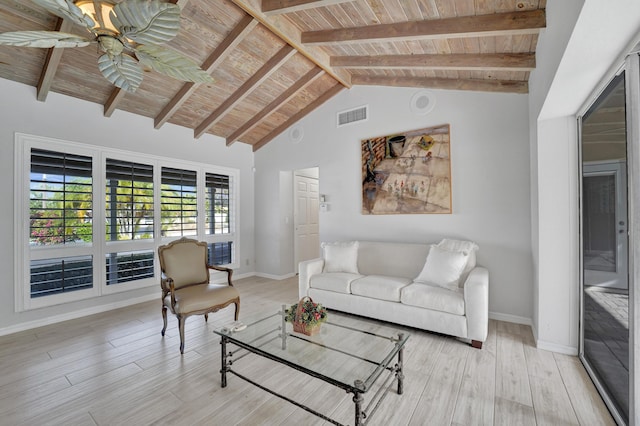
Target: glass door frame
[632, 65]
[631, 68]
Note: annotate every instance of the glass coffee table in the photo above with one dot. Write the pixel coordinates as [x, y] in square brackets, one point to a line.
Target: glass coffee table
[350, 353]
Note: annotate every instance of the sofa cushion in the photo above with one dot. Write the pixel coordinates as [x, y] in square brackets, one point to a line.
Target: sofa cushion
[433, 297]
[468, 247]
[200, 297]
[340, 257]
[379, 287]
[340, 282]
[443, 267]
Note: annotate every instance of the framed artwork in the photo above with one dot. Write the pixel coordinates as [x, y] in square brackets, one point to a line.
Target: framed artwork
[407, 173]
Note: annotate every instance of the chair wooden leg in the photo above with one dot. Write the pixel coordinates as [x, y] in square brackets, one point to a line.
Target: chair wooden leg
[164, 319]
[237, 303]
[476, 344]
[181, 329]
[206, 317]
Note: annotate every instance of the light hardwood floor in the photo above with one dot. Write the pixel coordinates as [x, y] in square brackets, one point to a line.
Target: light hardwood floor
[115, 368]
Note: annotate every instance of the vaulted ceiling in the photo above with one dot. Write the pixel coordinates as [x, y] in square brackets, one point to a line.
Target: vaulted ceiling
[275, 61]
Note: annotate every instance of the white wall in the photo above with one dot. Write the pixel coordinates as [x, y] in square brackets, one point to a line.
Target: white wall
[552, 42]
[70, 119]
[584, 43]
[490, 180]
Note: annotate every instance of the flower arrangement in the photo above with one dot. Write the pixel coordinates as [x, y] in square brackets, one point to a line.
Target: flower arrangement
[306, 313]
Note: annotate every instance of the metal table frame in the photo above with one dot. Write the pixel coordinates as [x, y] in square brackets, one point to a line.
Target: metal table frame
[358, 388]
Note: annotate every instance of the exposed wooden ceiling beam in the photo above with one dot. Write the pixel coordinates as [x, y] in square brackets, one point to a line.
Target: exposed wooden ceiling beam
[480, 62]
[509, 23]
[273, 7]
[285, 97]
[298, 116]
[271, 66]
[239, 32]
[504, 86]
[290, 34]
[114, 99]
[54, 55]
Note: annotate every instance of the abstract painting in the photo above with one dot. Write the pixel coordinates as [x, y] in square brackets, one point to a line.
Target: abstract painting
[407, 173]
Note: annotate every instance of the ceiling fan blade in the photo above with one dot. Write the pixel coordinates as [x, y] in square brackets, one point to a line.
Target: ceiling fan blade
[68, 10]
[122, 71]
[146, 21]
[170, 63]
[44, 39]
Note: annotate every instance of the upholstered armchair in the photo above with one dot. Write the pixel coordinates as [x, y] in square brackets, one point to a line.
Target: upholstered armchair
[186, 289]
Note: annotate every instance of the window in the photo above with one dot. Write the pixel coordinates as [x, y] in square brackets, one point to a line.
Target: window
[60, 201]
[60, 216]
[179, 202]
[89, 220]
[217, 203]
[129, 217]
[218, 207]
[52, 276]
[125, 267]
[129, 197]
[220, 253]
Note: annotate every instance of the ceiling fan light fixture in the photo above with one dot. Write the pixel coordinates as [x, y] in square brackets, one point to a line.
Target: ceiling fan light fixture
[99, 11]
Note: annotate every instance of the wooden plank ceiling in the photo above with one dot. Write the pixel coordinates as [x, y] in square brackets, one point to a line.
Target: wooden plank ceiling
[274, 61]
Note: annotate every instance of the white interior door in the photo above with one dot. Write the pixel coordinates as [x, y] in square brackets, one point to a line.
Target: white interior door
[605, 224]
[306, 218]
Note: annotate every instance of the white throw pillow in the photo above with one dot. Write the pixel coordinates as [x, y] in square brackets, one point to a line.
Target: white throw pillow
[443, 268]
[340, 257]
[468, 247]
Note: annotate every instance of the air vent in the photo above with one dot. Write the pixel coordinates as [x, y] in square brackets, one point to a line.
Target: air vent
[353, 115]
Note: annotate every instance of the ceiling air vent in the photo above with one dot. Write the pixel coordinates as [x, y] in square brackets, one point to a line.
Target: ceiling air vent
[353, 115]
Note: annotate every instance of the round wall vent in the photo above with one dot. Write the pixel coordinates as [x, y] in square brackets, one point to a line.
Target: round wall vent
[296, 134]
[423, 102]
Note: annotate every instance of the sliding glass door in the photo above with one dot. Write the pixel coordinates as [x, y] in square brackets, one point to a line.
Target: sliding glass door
[604, 233]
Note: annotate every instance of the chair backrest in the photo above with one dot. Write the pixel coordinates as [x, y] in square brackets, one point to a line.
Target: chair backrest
[184, 261]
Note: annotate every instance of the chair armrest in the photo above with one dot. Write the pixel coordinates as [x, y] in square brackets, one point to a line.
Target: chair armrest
[168, 287]
[476, 302]
[306, 269]
[229, 272]
[163, 283]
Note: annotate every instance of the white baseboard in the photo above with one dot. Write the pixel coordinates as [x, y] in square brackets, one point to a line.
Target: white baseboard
[243, 276]
[510, 318]
[78, 314]
[540, 344]
[554, 347]
[275, 277]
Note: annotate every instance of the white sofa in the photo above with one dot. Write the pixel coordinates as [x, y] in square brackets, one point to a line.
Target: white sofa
[386, 281]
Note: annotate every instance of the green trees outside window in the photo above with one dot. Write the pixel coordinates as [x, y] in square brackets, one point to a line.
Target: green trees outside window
[129, 200]
[61, 199]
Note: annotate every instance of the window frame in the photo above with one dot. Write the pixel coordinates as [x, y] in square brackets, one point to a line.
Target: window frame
[100, 247]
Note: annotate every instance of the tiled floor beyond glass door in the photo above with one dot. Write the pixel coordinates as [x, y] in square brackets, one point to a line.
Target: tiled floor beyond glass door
[606, 340]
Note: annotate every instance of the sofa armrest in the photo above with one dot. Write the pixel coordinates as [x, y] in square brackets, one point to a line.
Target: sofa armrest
[476, 302]
[306, 269]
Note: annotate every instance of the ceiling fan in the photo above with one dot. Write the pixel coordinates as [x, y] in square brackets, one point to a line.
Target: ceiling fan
[127, 32]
